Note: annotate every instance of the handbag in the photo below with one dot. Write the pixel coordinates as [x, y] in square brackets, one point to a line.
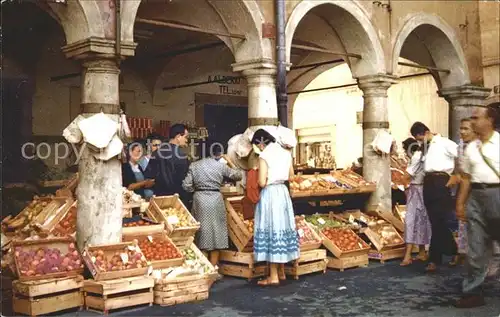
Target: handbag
[252, 194]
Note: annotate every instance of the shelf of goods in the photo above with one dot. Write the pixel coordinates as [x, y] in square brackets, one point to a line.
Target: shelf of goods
[41, 297]
[158, 249]
[187, 283]
[386, 241]
[179, 222]
[335, 183]
[118, 293]
[346, 249]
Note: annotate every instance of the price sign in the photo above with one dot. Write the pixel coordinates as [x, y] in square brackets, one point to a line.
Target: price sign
[173, 220]
[150, 270]
[363, 219]
[351, 219]
[93, 259]
[321, 221]
[150, 238]
[131, 247]
[124, 257]
[301, 232]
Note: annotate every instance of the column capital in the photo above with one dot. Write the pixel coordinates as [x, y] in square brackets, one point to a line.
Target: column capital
[256, 67]
[376, 85]
[98, 46]
[465, 96]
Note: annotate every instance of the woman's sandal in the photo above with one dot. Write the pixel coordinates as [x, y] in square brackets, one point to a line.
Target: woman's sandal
[406, 262]
[267, 282]
[455, 261]
[422, 258]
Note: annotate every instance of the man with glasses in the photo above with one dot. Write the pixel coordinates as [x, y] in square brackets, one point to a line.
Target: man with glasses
[153, 142]
[169, 165]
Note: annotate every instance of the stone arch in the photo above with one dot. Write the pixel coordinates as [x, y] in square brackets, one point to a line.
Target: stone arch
[442, 44]
[249, 22]
[354, 29]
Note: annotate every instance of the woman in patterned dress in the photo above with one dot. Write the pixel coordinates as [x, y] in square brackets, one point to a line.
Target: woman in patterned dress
[205, 178]
[417, 224]
[275, 237]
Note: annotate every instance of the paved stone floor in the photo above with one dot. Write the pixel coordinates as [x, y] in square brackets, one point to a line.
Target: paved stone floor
[378, 290]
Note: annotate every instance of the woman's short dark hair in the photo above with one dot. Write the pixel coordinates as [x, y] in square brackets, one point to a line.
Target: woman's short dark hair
[261, 136]
[176, 129]
[410, 146]
[418, 128]
[132, 147]
[213, 148]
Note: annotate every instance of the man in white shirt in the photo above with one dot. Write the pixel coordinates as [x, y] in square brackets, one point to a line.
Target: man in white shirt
[481, 189]
[439, 155]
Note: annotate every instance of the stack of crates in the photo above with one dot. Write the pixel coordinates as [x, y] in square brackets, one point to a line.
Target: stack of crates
[140, 128]
[163, 128]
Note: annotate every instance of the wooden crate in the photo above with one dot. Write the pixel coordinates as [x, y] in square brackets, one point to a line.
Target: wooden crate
[59, 243]
[182, 289]
[348, 262]
[107, 295]
[338, 253]
[108, 249]
[241, 264]
[144, 230]
[41, 297]
[239, 232]
[10, 224]
[50, 215]
[154, 212]
[389, 217]
[311, 261]
[400, 211]
[310, 245]
[386, 255]
[156, 236]
[376, 241]
[61, 217]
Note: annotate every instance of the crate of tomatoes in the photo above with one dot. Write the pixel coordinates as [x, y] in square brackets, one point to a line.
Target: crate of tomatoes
[157, 248]
[343, 242]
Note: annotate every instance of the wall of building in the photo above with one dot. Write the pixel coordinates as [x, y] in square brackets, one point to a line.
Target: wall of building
[412, 99]
[489, 13]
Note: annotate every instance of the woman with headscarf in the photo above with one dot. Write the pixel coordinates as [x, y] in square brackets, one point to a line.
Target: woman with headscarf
[205, 178]
[417, 225]
[133, 175]
[275, 237]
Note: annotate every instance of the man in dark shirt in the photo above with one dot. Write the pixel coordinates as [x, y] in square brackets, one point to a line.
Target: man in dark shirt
[170, 165]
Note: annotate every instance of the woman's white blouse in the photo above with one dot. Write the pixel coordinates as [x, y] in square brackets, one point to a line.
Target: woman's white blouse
[278, 162]
[416, 168]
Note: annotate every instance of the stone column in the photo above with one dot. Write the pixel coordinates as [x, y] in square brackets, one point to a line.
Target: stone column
[376, 168]
[99, 192]
[99, 217]
[461, 101]
[262, 105]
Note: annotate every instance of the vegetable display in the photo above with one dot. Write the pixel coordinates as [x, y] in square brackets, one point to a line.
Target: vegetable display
[306, 235]
[67, 225]
[248, 222]
[156, 249]
[323, 221]
[47, 260]
[139, 223]
[27, 215]
[129, 258]
[345, 239]
[386, 232]
[180, 217]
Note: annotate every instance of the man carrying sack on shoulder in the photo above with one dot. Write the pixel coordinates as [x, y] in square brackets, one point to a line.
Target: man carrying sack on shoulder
[481, 190]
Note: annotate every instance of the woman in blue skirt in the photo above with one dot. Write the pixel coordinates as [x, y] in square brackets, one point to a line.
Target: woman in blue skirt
[275, 237]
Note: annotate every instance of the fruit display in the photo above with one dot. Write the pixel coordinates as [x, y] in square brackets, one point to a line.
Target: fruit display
[354, 177]
[345, 239]
[317, 183]
[306, 235]
[45, 260]
[193, 265]
[178, 218]
[67, 225]
[248, 222]
[29, 213]
[323, 221]
[129, 197]
[126, 259]
[155, 249]
[138, 223]
[386, 232]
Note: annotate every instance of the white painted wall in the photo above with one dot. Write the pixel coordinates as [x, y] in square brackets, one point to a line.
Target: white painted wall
[413, 99]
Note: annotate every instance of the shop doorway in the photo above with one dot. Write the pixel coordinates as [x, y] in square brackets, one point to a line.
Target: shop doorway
[17, 96]
[225, 121]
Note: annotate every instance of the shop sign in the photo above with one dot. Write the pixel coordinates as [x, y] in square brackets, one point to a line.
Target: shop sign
[225, 83]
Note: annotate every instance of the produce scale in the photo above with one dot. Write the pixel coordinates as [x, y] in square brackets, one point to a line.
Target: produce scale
[157, 261]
